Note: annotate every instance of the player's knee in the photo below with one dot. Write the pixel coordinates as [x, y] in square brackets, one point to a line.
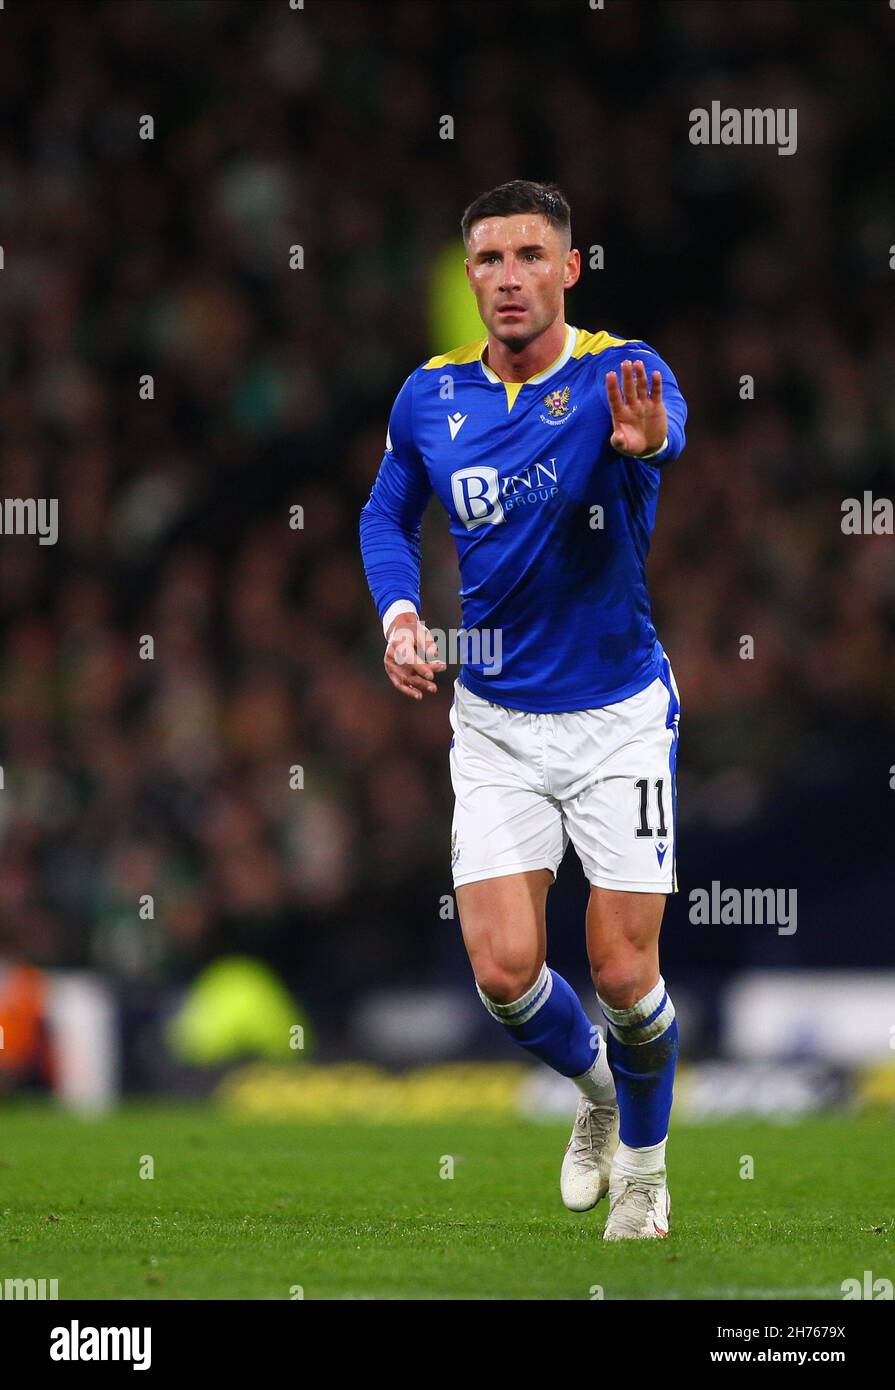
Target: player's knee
[621, 982]
[504, 982]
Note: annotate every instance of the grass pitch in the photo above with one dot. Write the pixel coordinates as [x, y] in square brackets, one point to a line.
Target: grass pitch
[257, 1210]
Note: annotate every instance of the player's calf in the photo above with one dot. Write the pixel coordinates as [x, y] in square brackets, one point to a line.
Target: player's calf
[549, 1022]
[642, 1047]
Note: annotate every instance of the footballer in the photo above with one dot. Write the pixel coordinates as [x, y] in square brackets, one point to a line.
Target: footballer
[545, 443]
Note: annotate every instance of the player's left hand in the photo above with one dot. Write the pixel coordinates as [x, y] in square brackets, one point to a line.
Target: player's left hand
[639, 422]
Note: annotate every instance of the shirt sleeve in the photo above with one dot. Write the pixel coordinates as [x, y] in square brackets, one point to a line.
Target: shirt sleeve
[391, 519]
[675, 405]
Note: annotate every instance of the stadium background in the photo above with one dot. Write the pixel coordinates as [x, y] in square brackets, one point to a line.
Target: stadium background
[320, 128]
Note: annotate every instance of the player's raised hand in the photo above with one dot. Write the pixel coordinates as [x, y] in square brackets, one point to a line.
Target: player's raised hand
[411, 657]
[639, 421]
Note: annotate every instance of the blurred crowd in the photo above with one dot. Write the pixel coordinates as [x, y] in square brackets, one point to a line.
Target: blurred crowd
[247, 779]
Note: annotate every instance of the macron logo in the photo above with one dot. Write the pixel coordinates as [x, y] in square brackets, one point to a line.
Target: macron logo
[456, 423]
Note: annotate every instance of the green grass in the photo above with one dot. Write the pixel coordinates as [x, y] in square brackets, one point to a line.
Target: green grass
[248, 1210]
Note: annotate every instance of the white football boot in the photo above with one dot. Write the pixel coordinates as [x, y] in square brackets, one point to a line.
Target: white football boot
[638, 1210]
[588, 1158]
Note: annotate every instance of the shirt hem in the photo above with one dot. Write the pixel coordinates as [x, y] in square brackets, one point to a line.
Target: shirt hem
[598, 701]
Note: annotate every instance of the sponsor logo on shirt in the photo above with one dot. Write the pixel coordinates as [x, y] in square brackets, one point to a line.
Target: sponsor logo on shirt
[482, 497]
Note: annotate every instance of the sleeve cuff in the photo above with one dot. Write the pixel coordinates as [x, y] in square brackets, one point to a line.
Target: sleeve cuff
[654, 453]
[400, 605]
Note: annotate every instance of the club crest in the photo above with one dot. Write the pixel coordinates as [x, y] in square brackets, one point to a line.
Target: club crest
[557, 402]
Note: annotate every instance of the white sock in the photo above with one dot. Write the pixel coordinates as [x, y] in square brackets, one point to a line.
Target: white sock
[647, 1164]
[596, 1083]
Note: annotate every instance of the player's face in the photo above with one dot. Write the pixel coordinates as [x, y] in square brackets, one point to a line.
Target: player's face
[518, 268]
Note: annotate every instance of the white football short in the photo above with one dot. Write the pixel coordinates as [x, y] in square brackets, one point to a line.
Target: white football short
[525, 784]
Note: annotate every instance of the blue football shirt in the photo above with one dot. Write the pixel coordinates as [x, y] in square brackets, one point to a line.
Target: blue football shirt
[552, 526]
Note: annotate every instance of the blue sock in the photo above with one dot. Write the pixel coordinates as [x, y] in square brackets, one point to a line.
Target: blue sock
[642, 1046]
[549, 1022]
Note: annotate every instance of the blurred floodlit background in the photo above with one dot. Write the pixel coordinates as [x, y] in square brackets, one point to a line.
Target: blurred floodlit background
[172, 905]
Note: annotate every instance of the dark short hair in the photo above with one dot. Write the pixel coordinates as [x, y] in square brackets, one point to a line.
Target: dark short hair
[519, 195]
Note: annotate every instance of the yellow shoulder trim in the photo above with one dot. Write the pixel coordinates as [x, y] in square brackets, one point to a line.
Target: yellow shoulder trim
[469, 353]
[593, 343]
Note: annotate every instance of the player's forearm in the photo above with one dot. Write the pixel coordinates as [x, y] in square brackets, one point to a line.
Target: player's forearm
[677, 439]
[675, 436]
[391, 558]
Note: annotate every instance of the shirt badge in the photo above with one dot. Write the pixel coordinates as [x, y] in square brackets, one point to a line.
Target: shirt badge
[557, 402]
